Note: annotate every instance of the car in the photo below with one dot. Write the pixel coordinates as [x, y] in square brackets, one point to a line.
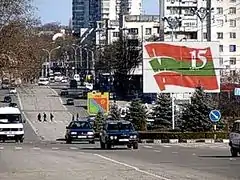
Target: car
[119, 132]
[43, 82]
[64, 80]
[7, 99]
[12, 105]
[64, 92]
[13, 91]
[234, 139]
[80, 130]
[70, 101]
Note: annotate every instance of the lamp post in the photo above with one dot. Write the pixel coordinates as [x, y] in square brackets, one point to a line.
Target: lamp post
[201, 13]
[173, 23]
[75, 47]
[87, 58]
[49, 58]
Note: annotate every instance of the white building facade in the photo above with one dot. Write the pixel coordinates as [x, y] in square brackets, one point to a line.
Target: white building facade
[225, 27]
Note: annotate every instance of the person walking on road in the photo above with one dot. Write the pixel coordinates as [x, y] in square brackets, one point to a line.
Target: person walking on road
[51, 116]
[39, 117]
[44, 117]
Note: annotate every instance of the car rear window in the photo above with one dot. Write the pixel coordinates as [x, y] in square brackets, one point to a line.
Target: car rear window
[80, 125]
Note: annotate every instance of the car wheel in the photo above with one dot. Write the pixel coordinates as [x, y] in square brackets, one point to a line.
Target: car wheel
[102, 145]
[21, 140]
[234, 152]
[68, 141]
[92, 142]
[3, 140]
[109, 146]
[135, 145]
[16, 140]
[129, 146]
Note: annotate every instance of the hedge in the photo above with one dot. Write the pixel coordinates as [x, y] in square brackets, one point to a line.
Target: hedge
[180, 135]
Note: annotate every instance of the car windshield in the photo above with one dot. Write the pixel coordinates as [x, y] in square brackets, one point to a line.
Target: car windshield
[120, 126]
[10, 118]
[80, 125]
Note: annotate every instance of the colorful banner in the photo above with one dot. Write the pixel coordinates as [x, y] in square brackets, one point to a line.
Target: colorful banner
[98, 102]
[179, 67]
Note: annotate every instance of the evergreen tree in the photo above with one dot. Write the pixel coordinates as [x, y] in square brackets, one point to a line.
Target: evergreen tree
[162, 111]
[114, 112]
[137, 114]
[98, 121]
[195, 115]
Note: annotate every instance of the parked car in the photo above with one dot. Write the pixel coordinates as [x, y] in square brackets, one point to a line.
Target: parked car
[80, 130]
[43, 82]
[118, 133]
[12, 105]
[13, 91]
[7, 99]
[64, 92]
[70, 101]
[64, 80]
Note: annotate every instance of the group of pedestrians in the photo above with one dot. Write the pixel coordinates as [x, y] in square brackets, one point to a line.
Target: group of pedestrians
[39, 117]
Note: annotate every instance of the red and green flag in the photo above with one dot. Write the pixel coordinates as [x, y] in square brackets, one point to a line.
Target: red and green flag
[182, 66]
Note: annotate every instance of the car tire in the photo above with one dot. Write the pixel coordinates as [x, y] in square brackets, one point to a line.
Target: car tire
[234, 152]
[92, 142]
[102, 145]
[21, 140]
[135, 145]
[16, 140]
[129, 146]
[3, 140]
[68, 141]
[109, 146]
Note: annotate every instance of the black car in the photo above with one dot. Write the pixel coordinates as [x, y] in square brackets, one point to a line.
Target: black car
[7, 99]
[12, 105]
[118, 133]
[80, 130]
[70, 101]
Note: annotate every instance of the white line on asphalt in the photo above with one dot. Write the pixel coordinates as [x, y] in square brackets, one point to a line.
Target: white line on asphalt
[232, 159]
[18, 148]
[149, 147]
[157, 151]
[194, 154]
[174, 152]
[55, 148]
[36, 148]
[132, 167]
[167, 146]
[1, 148]
[73, 148]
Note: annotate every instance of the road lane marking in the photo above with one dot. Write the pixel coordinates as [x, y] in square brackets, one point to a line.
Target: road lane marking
[167, 146]
[36, 148]
[131, 167]
[149, 147]
[174, 152]
[73, 148]
[18, 148]
[1, 148]
[157, 151]
[194, 154]
[55, 148]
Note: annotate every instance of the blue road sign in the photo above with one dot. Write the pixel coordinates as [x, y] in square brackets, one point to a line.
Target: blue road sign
[215, 115]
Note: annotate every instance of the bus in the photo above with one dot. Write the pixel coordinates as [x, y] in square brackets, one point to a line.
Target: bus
[11, 124]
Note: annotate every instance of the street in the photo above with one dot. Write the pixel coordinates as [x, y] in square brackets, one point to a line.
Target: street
[49, 159]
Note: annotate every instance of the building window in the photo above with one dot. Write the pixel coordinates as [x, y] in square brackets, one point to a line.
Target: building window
[115, 34]
[232, 22]
[204, 35]
[133, 31]
[220, 48]
[220, 22]
[232, 10]
[232, 35]
[233, 72]
[232, 48]
[220, 35]
[232, 60]
[221, 61]
[148, 31]
[219, 10]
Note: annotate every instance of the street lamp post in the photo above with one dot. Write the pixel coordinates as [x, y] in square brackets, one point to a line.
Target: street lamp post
[49, 58]
[87, 59]
[201, 13]
[173, 23]
[75, 56]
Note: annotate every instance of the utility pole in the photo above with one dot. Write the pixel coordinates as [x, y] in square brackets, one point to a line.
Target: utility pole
[209, 17]
[107, 28]
[161, 16]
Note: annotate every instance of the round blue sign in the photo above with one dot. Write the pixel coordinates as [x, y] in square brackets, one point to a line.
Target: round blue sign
[215, 115]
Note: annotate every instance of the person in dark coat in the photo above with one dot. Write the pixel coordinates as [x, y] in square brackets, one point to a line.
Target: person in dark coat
[51, 116]
[44, 117]
[39, 117]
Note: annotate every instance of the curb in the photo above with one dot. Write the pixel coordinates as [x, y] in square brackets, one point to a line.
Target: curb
[176, 141]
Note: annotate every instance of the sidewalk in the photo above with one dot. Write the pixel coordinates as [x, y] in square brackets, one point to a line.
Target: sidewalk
[34, 100]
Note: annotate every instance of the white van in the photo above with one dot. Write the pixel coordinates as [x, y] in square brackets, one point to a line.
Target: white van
[234, 139]
[11, 124]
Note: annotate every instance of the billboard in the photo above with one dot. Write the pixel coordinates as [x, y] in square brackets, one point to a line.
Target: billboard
[179, 67]
[98, 102]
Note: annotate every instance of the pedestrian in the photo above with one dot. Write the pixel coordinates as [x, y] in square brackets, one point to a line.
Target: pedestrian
[39, 117]
[44, 117]
[51, 116]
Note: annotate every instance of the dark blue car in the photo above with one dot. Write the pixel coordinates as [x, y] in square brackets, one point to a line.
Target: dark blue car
[118, 133]
[80, 130]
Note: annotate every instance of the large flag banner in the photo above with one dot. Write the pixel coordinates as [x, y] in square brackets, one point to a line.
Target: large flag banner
[179, 67]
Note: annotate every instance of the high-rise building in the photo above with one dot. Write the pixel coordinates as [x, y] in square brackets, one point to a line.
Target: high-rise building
[85, 13]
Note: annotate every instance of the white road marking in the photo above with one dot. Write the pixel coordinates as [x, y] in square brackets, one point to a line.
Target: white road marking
[36, 148]
[157, 151]
[149, 147]
[73, 148]
[132, 167]
[167, 146]
[194, 154]
[232, 159]
[1, 148]
[18, 148]
[55, 148]
[174, 152]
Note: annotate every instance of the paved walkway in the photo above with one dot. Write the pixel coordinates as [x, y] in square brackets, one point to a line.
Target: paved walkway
[34, 100]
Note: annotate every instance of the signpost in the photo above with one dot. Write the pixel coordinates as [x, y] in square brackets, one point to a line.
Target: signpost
[215, 116]
[98, 102]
